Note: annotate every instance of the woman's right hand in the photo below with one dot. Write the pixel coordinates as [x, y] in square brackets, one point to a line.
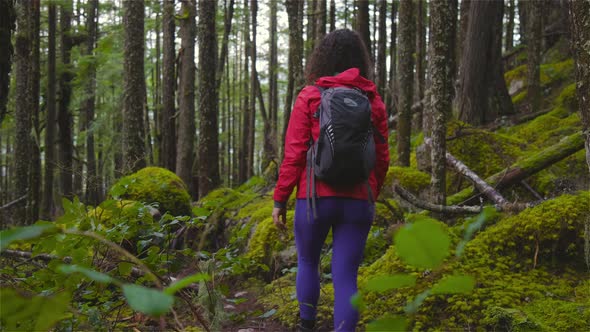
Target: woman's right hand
[279, 217]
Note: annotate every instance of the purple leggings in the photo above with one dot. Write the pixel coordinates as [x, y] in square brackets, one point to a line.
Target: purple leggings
[350, 221]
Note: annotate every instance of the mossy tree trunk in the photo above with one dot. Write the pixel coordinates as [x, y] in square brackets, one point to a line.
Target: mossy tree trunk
[167, 116]
[420, 72]
[441, 90]
[310, 29]
[134, 84]
[580, 29]
[186, 98]
[7, 26]
[406, 80]
[535, 34]
[245, 161]
[35, 156]
[208, 140]
[320, 25]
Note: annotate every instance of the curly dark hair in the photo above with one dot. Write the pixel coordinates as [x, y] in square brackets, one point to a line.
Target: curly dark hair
[339, 50]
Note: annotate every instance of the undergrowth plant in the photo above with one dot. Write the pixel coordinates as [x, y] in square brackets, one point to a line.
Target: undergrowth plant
[426, 245]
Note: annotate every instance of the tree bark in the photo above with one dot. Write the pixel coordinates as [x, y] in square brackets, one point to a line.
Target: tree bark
[535, 33]
[7, 26]
[295, 73]
[35, 179]
[64, 118]
[23, 65]
[363, 23]
[168, 124]
[480, 62]
[332, 15]
[134, 155]
[92, 185]
[462, 31]
[320, 25]
[48, 205]
[186, 98]
[392, 87]
[406, 72]
[381, 72]
[441, 91]
[270, 133]
[311, 30]
[509, 44]
[208, 139]
[253, 89]
[580, 30]
[246, 163]
[420, 54]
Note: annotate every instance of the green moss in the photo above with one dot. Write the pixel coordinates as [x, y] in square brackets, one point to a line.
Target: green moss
[267, 240]
[550, 73]
[155, 185]
[567, 97]
[519, 97]
[554, 314]
[408, 177]
[119, 220]
[484, 152]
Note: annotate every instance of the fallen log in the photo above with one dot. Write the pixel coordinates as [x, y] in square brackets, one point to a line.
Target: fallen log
[527, 167]
[451, 209]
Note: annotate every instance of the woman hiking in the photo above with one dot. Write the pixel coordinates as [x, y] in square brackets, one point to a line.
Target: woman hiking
[317, 161]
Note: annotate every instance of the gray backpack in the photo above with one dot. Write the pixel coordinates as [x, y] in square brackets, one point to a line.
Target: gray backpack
[344, 154]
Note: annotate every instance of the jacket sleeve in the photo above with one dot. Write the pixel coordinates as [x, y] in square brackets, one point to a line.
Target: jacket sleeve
[296, 144]
[381, 142]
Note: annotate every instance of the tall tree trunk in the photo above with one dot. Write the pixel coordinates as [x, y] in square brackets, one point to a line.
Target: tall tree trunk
[91, 175]
[392, 94]
[509, 44]
[332, 15]
[270, 138]
[227, 23]
[406, 70]
[168, 125]
[208, 139]
[420, 56]
[253, 89]
[311, 30]
[48, 205]
[64, 118]
[295, 74]
[245, 161]
[35, 172]
[441, 90]
[363, 22]
[7, 26]
[480, 62]
[462, 31]
[522, 20]
[535, 34]
[186, 98]
[134, 154]
[23, 61]
[320, 25]
[580, 30]
[381, 49]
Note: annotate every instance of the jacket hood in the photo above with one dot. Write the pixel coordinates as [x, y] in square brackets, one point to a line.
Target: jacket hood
[350, 77]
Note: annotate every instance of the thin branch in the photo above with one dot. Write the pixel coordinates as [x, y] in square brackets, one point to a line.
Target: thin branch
[454, 209]
[16, 201]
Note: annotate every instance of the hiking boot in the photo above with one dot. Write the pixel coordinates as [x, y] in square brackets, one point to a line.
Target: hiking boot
[305, 325]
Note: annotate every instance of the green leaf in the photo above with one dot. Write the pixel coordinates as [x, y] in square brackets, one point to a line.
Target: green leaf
[91, 274]
[385, 283]
[186, 281]
[457, 284]
[413, 306]
[201, 212]
[423, 244]
[125, 268]
[357, 302]
[268, 313]
[394, 323]
[25, 233]
[473, 227]
[147, 300]
[38, 313]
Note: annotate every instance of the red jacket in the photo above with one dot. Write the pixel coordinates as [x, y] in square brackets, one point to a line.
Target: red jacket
[302, 124]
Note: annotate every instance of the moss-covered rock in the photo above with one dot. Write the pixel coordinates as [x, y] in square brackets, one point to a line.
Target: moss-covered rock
[153, 185]
[408, 177]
